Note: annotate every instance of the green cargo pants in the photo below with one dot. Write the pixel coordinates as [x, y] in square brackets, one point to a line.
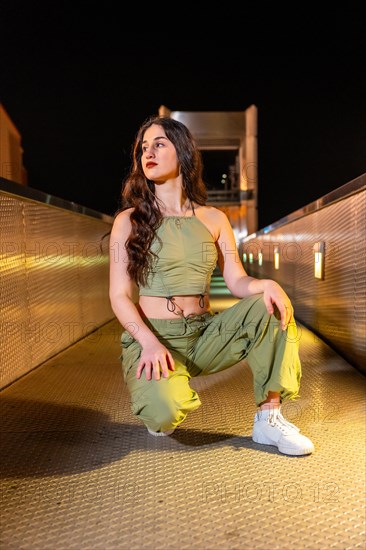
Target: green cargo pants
[209, 343]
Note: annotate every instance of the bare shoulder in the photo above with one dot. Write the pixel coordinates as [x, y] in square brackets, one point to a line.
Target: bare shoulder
[212, 213]
[214, 218]
[122, 222]
[123, 217]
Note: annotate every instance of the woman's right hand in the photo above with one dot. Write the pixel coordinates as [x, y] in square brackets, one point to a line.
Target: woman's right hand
[155, 359]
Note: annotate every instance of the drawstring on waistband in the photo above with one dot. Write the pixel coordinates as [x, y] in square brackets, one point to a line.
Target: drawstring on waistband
[172, 305]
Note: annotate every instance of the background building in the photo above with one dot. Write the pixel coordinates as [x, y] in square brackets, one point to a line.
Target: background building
[11, 151]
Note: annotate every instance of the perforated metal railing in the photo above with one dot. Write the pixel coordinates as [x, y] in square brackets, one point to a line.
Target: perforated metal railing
[54, 277]
[334, 306]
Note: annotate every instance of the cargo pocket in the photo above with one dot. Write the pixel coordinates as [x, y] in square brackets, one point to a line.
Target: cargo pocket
[130, 353]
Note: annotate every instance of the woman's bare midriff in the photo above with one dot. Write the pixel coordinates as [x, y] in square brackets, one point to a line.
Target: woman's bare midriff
[156, 307]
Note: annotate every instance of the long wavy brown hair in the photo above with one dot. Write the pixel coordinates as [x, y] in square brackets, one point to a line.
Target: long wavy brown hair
[139, 192]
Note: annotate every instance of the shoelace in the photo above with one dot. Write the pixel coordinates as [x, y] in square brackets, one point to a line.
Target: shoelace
[276, 419]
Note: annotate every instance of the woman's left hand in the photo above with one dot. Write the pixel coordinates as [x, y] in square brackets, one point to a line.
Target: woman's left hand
[274, 295]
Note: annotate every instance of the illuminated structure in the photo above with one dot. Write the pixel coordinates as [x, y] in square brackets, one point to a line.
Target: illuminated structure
[11, 151]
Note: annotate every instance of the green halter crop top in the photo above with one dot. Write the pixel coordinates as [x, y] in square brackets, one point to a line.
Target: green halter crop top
[186, 258]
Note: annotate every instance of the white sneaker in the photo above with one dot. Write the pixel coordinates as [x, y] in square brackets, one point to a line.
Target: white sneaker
[271, 428]
[168, 432]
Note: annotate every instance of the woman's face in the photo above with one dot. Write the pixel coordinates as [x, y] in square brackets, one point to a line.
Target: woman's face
[159, 157]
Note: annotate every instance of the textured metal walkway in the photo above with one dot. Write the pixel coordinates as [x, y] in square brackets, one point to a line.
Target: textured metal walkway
[79, 472]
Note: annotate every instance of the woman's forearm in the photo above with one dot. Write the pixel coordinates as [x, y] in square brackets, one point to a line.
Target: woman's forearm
[247, 286]
[129, 317]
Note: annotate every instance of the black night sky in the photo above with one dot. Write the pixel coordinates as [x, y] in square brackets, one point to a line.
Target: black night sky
[77, 89]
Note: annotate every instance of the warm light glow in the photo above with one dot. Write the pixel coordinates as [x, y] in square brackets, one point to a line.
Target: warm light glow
[276, 258]
[260, 258]
[319, 260]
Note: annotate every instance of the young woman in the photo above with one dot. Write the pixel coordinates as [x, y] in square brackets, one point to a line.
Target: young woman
[164, 245]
